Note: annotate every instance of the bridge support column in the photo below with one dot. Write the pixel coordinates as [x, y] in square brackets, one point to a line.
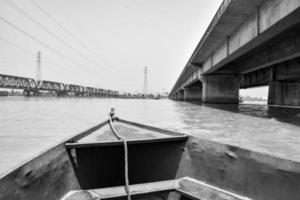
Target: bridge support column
[221, 88]
[62, 93]
[286, 93]
[173, 96]
[180, 95]
[176, 96]
[193, 93]
[79, 94]
[31, 93]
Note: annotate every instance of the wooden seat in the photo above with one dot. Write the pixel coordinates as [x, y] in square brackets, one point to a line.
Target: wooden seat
[117, 192]
[187, 187]
[137, 189]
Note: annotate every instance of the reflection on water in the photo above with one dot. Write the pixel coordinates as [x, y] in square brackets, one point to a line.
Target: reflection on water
[30, 125]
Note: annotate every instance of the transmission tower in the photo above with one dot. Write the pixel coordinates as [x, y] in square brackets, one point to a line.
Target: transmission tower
[38, 69]
[145, 88]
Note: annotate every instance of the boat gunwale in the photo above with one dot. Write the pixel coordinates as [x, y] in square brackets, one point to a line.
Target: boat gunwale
[159, 130]
[74, 137]
[172, 185]
[119, 143]
[77, 137]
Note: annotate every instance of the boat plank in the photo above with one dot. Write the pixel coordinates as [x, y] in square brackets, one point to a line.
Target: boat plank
[137, 189]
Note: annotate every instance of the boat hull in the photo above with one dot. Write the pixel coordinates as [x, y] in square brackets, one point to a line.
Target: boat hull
[201, 169]
[46, 177]
[255, 175]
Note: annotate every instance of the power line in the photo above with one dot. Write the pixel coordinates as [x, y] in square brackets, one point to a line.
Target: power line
[66, 17]
[33, 54]
[16, 46]
[33, 38]
[39, 41]
[67, 31]
[17, 8]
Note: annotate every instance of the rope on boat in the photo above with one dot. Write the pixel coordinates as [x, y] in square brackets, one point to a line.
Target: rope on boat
[123, 139]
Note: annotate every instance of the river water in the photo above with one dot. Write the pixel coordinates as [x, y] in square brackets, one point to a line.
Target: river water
[31, 125]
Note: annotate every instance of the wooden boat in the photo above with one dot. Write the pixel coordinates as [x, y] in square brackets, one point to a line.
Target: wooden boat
[161, 165]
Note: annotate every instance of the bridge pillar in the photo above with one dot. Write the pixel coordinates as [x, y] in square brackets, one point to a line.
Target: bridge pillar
[172, 96]
[62, 93]
[193, 93]
[79, 94]
[221, 88]
[175, 96]
[31, 92]
[180, 95]
[286, 93]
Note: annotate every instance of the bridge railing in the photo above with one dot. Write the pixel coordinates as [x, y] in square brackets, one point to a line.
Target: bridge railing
[212, 24]
[50, 86]
[12, 82]
[210, 27]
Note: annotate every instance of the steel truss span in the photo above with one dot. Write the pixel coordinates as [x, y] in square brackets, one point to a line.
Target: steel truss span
[29, 84]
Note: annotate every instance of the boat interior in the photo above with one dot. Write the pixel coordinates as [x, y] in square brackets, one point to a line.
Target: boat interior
[161, 164]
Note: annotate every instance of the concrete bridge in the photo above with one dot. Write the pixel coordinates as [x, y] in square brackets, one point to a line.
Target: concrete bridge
[32, 87]
[249, 43]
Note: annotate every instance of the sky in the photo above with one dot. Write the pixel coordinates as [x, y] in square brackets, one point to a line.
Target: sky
[103, 43]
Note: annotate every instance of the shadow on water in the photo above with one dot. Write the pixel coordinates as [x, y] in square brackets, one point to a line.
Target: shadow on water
[282, 114]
